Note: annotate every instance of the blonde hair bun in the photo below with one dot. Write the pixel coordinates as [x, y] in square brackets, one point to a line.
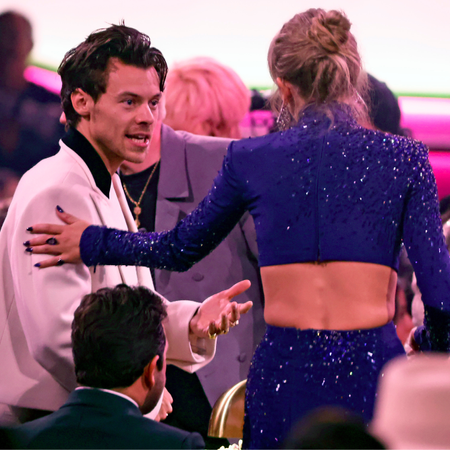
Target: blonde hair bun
[317, 54]
[329, 30]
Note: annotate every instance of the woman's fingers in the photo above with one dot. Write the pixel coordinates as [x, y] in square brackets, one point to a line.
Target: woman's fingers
[46, 228]
[44, 249]
[45, 239]
[51, 228]
[66, 217]
[51, 262]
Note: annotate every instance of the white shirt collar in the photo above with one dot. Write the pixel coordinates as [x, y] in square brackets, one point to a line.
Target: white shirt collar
[110, 392]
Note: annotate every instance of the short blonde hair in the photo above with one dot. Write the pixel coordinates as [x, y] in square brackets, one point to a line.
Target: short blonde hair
[316, 52]
[205, 97]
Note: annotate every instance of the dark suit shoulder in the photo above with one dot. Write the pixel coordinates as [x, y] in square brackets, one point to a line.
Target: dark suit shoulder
[127, 432]
[164, 436]
[92, 426]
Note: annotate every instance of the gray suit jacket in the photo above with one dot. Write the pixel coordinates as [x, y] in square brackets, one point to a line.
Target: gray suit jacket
[189, 163]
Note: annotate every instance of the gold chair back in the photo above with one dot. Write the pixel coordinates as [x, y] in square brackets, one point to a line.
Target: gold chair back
[227, 417]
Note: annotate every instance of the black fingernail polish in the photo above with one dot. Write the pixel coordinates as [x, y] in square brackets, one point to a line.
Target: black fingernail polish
[30, 229]
[26, 243]
[29, 249]
[59, 209]
[37, 265]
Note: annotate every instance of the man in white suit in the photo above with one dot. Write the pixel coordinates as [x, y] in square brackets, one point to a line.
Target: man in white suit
[112, 83]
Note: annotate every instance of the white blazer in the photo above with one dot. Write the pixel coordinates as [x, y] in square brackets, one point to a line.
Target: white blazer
[37, 305]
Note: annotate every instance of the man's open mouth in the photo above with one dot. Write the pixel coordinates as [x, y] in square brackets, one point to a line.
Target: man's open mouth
[139, 138]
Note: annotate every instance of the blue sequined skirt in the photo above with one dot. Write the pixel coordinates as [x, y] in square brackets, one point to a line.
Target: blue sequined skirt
[294, 371]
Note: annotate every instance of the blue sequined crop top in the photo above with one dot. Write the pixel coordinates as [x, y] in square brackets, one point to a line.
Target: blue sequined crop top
[325, 190]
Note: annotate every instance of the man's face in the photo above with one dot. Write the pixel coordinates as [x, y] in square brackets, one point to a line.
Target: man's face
[120, 123]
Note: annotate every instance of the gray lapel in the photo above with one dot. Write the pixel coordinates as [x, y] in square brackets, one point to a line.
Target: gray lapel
[173, 179]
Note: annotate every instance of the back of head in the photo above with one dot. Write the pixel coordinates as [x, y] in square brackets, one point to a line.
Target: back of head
[316, 52]
[413, 403]
[85, 67]
[14, 28]
[331, 427]
[115, 334]
[205, 97]
[16, 41]
[384, 108]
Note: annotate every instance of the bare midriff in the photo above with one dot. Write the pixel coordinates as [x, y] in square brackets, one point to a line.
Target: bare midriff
[337, 295]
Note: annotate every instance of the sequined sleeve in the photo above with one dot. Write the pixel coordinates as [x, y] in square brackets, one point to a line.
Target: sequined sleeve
[425, 244]
[191, 240]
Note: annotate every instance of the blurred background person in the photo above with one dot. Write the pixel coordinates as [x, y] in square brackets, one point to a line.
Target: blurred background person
[331, 427]
[29, 125]
[384, 110]
[202, 96]
[8, 184]
[206, 97]
[416, 305]
[402, 316]
[385, 115]
[413, 403]
[260, 120]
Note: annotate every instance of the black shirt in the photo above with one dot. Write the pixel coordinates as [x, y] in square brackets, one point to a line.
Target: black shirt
[84, 149]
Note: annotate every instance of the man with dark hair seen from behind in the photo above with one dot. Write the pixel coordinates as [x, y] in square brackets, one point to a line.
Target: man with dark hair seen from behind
[118, 344]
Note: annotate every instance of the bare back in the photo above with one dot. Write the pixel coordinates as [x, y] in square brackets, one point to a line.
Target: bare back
[337, 295]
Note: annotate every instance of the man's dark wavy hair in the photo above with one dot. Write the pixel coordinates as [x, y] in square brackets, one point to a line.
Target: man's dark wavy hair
[86, 66]
[116, 332]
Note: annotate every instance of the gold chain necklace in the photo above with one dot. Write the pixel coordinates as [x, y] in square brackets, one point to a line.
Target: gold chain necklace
[137, 204]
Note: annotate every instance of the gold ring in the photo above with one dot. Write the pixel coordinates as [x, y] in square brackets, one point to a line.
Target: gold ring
[212, 335]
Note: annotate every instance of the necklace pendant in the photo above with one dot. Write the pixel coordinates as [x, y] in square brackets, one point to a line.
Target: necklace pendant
[137, 222]
[137, 210]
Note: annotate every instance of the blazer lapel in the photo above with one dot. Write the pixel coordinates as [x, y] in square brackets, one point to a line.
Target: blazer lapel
[173, 182]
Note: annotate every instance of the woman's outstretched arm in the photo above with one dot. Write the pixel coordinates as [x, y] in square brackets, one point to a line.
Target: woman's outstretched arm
[191, 240]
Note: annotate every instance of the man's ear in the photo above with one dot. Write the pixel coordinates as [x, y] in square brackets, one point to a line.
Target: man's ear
[82, 102]
[149, 373]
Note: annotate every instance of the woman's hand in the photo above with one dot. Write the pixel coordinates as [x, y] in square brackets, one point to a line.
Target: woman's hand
[63, 241]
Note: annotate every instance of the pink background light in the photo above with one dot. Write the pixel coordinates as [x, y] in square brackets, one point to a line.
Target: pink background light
[46, 78]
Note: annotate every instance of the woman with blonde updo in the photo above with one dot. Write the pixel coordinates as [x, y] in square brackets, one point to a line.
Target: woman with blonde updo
[314, 60]
[332, 203]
